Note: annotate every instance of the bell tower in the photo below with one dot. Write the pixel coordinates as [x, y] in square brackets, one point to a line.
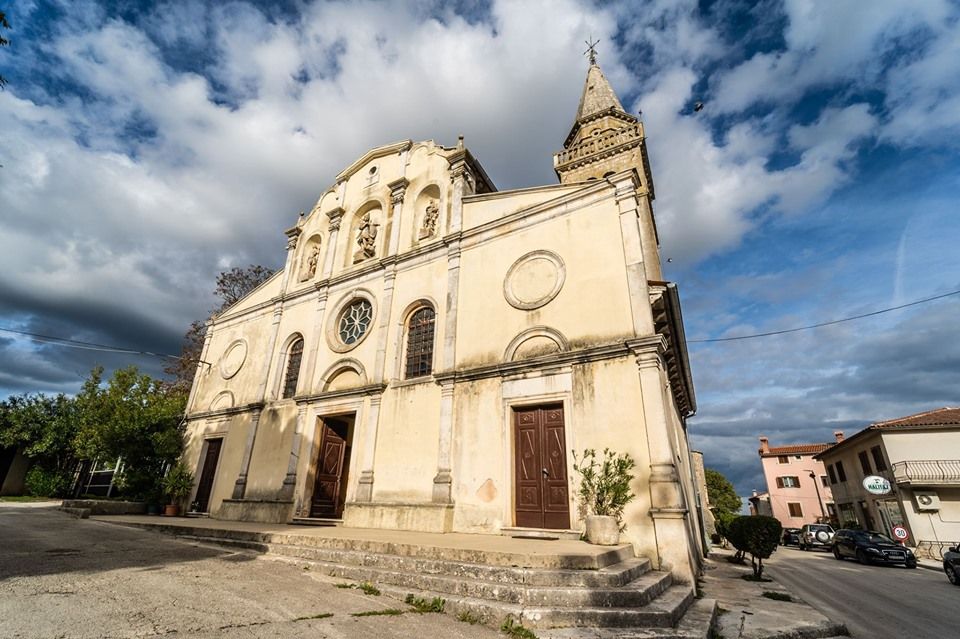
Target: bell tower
[604, 139]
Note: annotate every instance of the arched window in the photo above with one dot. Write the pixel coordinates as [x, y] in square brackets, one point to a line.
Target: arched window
[292, 374]
[420, 343]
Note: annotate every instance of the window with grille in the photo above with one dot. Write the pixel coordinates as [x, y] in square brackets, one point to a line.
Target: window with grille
[292, 374]
[354, 321]
[783, 459]
[795, 509]
[420, 343]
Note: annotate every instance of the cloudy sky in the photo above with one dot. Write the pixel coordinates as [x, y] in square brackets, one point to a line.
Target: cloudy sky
[147, 146]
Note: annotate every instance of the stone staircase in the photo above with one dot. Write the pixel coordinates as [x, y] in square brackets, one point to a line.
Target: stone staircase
[560, 596]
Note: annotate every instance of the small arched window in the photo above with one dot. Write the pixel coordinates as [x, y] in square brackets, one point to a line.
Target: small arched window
[292, 373]
[420, 343]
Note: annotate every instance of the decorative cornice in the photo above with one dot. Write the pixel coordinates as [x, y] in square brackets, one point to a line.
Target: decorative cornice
[225, 412]
[379, 152]
[369, 389]
[335, 216]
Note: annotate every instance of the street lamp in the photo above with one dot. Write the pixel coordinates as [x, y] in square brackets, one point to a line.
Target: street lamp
[823, 513]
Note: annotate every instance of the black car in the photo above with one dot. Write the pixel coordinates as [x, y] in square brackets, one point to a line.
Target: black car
[868, 547]
[790, 536]
[951, 564]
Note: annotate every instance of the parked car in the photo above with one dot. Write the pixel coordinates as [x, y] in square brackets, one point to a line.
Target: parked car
[951, 564]
[869, 547]
[815, 535]
[790, 536]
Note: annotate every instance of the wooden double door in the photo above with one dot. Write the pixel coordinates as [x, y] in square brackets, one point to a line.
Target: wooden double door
[333, 460]
[211, 458]
[542, 499]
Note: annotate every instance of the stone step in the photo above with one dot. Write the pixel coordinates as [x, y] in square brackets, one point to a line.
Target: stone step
[664, 612]
[698, 622]
[610, 577]
[565, 561]
[316, 521]
[539, 533]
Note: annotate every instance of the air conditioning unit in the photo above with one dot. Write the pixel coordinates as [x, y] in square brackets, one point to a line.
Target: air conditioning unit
[927, 501]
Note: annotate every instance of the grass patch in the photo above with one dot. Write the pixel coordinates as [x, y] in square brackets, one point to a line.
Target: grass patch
[322, 615]
[777, 596]
[367, 588]
[421, 605]
[515, 629]
[468, 617]
[750, 577]
[376, 613]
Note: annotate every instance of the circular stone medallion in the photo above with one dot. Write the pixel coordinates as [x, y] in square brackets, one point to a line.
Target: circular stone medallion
[534, 280]
[233, 358]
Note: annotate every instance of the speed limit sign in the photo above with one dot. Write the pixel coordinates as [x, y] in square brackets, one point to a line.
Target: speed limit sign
[900, 533]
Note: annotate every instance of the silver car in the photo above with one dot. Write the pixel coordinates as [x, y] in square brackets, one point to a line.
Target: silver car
[814, 535]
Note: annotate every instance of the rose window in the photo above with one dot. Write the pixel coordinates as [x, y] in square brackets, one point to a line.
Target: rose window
[355, 321]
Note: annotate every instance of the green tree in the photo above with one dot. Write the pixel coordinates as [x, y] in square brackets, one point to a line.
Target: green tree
[134, 417]
[723, 497]
[43, 429]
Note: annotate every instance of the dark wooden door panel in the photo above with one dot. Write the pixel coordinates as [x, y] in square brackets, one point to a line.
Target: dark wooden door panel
[541, 499]
[331, 463]
[207, 474]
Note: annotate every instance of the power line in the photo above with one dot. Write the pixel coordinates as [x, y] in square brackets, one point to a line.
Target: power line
[87, 346]
[837, 321]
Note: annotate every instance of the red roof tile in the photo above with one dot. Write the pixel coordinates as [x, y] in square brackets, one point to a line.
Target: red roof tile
[796, 449]
[940, 417]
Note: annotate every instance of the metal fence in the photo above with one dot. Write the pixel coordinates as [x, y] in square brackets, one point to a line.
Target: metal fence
[932, 471]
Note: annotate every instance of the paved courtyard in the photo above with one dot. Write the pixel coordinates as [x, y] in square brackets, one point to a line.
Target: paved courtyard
[71, 578]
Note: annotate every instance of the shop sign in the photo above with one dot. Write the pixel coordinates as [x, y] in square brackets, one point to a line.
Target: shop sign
[876, 485]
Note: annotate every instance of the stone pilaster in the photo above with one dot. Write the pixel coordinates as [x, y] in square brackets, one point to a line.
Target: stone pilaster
[290, 479]
[198, 373]
[335, 216]
[317, 337]
[398, 189]
[637, 275]
[293, 238]
[667, 507]
[240, 486]
[443, 481]
[365, 482]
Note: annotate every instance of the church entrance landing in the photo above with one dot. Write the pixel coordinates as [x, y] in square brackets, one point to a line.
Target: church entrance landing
[541, 498]
[333, 461]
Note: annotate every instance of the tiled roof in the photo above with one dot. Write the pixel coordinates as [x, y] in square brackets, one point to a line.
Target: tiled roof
[945, 417]
[796, 449]
[940, 417]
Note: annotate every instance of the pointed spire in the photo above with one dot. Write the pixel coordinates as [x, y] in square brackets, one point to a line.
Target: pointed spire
[597, 95]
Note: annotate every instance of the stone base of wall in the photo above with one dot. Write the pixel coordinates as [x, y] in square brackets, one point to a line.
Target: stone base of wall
[106, 506]
[263, 511]
[423, 517]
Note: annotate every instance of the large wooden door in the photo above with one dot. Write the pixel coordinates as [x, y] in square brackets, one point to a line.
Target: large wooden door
[207, 475]
[541, 468]
[329, 490]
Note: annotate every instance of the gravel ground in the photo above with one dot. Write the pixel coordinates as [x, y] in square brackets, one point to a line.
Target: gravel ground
[65, 577]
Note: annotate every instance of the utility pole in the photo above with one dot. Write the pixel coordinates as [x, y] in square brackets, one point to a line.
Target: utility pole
[816, 485]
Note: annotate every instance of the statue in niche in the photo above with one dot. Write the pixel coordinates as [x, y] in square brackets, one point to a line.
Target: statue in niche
[312, 261]
[429, 227]
[366, 239]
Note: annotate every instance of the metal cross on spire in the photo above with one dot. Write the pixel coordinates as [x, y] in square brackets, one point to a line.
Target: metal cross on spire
[592, 51]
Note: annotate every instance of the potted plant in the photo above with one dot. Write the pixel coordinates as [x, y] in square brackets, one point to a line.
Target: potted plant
[177, 484]
[604, 492]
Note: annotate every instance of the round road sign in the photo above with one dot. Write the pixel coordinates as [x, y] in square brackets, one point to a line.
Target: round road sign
[900, 533]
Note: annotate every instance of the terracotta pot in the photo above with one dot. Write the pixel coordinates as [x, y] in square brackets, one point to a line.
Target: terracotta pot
[171, 510]
[602, 530]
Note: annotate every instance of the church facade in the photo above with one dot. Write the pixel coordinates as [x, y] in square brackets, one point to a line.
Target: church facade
[435, 351]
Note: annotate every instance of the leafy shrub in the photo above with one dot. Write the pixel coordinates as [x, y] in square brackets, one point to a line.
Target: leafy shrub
[737, 536]
[722, 522]
[41, 482]
[178, 483]
[760, 536]
[604, 485]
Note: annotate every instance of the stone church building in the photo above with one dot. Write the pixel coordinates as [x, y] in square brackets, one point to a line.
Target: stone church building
[435, 350]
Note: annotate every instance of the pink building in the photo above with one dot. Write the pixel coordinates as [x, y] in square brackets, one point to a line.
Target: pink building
[797, 483]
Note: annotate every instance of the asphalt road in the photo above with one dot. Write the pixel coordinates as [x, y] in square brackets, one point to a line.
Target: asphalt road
[68, 578]
[875, 602]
